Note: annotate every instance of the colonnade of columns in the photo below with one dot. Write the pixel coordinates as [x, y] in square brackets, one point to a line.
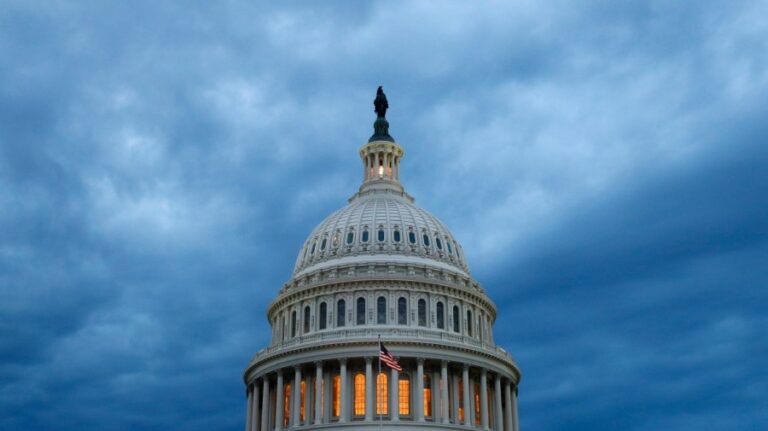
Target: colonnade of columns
[349, 391]
[377, 164]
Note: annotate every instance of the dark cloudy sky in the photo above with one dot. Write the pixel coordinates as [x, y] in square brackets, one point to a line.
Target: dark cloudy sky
[605, 166]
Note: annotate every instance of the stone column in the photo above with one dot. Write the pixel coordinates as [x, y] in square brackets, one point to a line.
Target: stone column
[318, 392]
[296, 398]
[279, 401]
[465, 387]
[515, 422]
[248, 407]
[419, 398]
[255, 408]
[455, 391]
[370, 401]
[499, 425]
[344, 399]
[484, 398]
[508, 426]
[394, 401]
[444, 391]
[265, 405]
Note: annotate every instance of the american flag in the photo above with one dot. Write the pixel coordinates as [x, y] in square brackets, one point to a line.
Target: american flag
[387, 358]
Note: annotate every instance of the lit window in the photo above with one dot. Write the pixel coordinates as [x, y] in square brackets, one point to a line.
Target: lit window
[397, 236]
[422, 312]
[340, 311]
[286, 404]
[336, 399]
[361, 311]
[381, 310]
[381, 235]
[323, 315]
[427, 396]
[404, 392]
[440, 316]
[350, 237]
[382, 394]
[303, 400]
[336, 239]
[359, 394]
[402, 316]
[477, 403]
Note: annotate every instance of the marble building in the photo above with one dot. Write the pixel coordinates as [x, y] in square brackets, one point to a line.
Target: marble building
[381, 267]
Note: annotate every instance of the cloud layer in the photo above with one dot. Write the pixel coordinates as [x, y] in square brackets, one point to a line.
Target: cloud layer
[603, 166]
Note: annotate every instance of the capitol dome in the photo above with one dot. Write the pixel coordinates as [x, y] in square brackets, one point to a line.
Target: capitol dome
[381, 271]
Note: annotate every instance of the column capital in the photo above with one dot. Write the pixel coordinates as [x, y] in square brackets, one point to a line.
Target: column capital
[343, 361]
[318, 364]
[297, 368]
[465, 367]
[444, 363]
[368, 360]
[420, 361]
[483, 372]
[279, 372]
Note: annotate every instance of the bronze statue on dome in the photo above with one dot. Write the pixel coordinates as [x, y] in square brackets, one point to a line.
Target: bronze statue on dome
[380, 104]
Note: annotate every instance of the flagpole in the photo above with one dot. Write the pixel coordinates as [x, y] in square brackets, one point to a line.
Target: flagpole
[376, 380]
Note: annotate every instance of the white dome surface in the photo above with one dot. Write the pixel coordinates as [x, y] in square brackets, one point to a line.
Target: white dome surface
[397, 231]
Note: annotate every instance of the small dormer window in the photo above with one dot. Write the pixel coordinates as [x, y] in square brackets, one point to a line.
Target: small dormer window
[350, 238]
[412, 237]
[396, 235]
[381, 235]
[438, 243]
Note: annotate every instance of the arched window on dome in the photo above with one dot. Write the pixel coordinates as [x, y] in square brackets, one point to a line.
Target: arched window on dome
[438, 243]
[381, 235]
[350, 237]
[314, 244]
[336, 240]
[469, 323]
[480, 326]
[456, 317]
[428, 396]
[323, 244]
[404, 393]
[323, 315]
[448, 244]
[381, 310]
[360, 311]
[341, 310]
[411, 236]
[425, 239]
[402, 311]
[422, 306]
[359, 395]
[365, 237]
[396, 235]
[293, 323]
[306, 319]
[440, 315]
[382, 394]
